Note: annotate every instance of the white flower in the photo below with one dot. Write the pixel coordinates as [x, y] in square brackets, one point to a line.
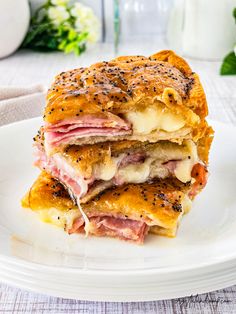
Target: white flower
[86, 21]
[58, 14]
[235, 50]
[59, 2]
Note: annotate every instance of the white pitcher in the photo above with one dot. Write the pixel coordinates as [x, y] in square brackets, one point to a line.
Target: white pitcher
[14, 23]
[203, 29]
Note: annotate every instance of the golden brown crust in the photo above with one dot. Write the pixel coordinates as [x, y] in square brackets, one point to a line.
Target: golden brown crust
[157, 203]
[175, 60]
[47, 192]
[197, 98]
[204, 144]
[127, 83]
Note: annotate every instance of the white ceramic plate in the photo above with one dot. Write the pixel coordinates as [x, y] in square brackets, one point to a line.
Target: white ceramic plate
[43, 258]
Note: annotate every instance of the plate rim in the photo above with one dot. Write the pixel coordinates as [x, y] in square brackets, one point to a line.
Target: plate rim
[202, 285]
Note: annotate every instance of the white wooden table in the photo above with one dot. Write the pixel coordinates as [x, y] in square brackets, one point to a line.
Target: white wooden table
[29, 68]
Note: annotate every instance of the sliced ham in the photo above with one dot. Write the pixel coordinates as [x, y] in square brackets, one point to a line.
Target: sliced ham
[68, 130]
[57, 138]
[132, 159]
[109, 120]
[59, 169]
[125, 229]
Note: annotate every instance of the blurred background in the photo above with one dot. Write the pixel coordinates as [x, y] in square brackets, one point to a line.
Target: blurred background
[43, 37]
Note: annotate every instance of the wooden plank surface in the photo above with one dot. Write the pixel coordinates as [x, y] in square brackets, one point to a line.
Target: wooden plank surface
[27, 68]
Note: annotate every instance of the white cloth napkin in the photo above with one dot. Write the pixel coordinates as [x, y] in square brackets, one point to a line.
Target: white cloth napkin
[19, 103]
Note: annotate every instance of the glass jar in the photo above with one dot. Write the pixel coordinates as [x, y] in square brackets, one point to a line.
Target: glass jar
[140, 25]
[202, 29]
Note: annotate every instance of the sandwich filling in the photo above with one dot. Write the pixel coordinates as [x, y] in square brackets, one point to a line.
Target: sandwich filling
[69, 130]
[153, 123]
[137, 165]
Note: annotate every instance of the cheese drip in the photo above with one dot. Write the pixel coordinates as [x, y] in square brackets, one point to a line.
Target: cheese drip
[186, 204]
[106, 171]
[154, 118]
[184, 168]
[87, 224]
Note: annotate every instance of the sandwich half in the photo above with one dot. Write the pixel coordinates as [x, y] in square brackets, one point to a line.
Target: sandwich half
[127, 98]
[157, 207]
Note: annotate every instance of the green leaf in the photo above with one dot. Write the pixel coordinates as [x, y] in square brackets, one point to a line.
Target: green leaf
[72, 34]
[52, 43]
[70, 47]
[62, 44]
[228, 66]
[82, 36]
[34, 31]
[234, 14]
[79, 48]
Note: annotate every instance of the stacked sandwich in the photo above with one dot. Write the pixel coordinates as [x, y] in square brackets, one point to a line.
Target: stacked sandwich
[123, 149]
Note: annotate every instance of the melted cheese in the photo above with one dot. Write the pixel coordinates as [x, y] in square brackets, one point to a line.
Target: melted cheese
[154, 118]
[59, 218]
[186, 204]
[135, 173]
[106, 172]
[87, 224]
[152, 166]
[64, 218]
[184, 168]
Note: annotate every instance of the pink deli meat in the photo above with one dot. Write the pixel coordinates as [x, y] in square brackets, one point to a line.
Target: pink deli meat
[124, 229]
[69, 130]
